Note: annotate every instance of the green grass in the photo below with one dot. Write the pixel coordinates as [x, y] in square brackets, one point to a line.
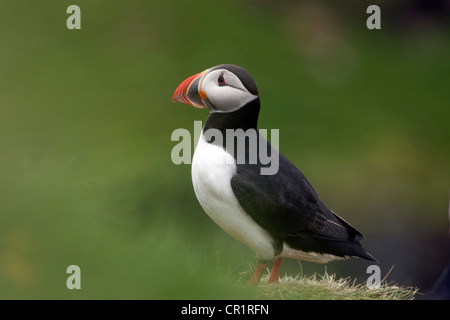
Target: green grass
[329, 287]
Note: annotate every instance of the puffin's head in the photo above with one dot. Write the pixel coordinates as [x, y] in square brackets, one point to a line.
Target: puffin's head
[223, 88]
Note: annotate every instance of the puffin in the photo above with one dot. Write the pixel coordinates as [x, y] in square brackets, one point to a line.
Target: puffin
[276, 213]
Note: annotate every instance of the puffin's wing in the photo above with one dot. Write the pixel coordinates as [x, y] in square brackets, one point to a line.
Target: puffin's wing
[286, 205]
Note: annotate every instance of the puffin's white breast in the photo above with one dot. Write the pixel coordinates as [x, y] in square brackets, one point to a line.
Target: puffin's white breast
[212, 170]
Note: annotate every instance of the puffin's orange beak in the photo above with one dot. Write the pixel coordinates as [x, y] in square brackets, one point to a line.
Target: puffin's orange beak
[188, 91]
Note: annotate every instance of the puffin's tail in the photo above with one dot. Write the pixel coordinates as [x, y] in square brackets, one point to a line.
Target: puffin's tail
[360, 252]
[349, 249]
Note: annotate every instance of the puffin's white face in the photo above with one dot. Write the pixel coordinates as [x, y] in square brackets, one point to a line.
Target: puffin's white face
[222, 91]
[224, 88]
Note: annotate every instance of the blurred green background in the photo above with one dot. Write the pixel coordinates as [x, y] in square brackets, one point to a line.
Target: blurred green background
[86, 118]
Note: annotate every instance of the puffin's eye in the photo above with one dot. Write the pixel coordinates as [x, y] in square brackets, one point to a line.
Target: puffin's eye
[221, 80]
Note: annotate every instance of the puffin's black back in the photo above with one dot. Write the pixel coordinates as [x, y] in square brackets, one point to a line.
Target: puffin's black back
[285, 204]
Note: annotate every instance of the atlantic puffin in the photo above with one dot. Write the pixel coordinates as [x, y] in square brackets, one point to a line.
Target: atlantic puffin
[277, 215]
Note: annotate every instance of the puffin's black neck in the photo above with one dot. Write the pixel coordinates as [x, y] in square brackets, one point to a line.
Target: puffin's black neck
[243, 118]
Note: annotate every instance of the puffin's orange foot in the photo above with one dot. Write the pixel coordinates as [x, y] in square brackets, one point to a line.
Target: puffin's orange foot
[275, 274]
[254, 280]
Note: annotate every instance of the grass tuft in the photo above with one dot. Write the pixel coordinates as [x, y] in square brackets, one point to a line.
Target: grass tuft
[328, 287]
